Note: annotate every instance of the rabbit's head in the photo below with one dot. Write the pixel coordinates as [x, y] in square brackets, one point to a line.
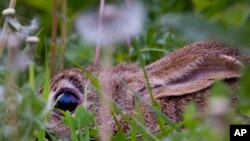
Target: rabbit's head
[180, 77]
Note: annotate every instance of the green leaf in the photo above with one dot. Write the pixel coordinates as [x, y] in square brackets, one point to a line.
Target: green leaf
[244, 106]
[45, 5]
[93, 132]
[189, 118]
[195, 27]
[119, 137]
[46, 86]
[150, 36]
[72, 124]
[201, 5]
[219, 89]
[233, 15]
[40, 135]
[133, 131]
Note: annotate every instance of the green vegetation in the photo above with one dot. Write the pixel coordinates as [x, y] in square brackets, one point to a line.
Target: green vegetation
[169, 24]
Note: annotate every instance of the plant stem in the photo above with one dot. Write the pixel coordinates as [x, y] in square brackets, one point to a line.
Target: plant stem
[98, 49]
[53, 38]
[129, 43]
[12, 4]
[97, 54]
[106, 130]
[11, 96]
[63, 34]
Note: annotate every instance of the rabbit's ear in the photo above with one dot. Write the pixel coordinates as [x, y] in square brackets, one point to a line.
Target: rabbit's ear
[193, 68]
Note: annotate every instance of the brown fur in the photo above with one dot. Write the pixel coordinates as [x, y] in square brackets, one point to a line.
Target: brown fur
[177, 79]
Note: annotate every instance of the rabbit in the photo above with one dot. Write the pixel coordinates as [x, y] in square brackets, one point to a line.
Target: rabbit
[183, 76]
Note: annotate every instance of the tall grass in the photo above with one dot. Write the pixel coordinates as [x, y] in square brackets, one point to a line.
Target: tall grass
[31, 118]
[24, 112]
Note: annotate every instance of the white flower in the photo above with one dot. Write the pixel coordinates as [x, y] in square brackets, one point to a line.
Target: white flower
[30, 29]
[20, 61]
[22, 30]
[118, 24]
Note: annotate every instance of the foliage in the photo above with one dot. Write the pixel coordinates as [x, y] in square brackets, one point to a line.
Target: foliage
[169, 24]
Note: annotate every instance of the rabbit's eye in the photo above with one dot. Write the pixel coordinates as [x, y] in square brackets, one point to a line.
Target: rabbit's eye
[66, 100]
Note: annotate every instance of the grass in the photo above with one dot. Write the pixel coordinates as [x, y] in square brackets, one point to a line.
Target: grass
[32, 114]
[24, 113]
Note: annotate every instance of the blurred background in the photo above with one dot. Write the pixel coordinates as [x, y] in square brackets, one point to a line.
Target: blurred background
[157, 27]
[167, 24]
